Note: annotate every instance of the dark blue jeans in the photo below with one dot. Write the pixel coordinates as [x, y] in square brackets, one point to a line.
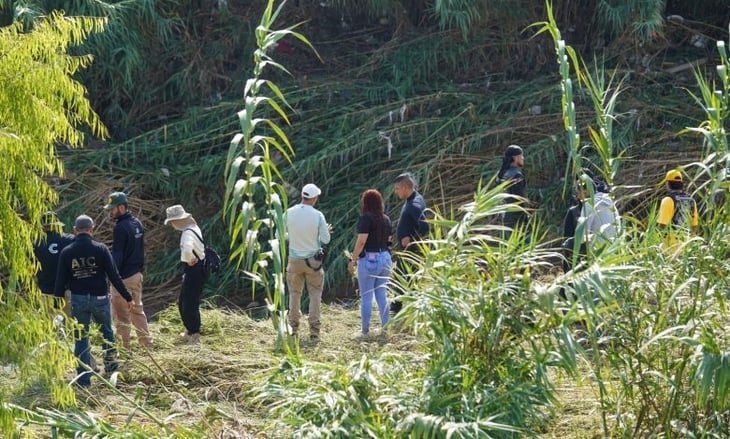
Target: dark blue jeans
[84, 308]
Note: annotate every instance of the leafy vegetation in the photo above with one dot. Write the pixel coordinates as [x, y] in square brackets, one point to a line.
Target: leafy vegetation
[41, 106]
[251, 171]
[486, 345]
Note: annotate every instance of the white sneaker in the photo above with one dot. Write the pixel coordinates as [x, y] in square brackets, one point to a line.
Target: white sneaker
[194, 338]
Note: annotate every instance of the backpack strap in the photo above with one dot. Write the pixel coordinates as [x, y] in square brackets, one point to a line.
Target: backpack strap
[321, 265]
[196, 234]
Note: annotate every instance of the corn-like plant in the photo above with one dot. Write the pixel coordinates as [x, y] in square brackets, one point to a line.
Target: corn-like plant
[712, 172]
[255, 200]
[603, 93]
[566, 54]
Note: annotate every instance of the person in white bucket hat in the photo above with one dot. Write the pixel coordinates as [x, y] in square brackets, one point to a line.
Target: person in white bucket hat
[191, 250]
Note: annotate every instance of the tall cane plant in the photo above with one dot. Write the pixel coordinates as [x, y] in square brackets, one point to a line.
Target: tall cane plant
[256, 200]
[603, 154]
[655, 337]
[712, 175]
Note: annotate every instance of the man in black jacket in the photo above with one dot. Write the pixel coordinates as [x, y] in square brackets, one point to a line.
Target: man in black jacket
[128, 254]
[511, 171]
[83, 267]
[47, 251]
[412, 225]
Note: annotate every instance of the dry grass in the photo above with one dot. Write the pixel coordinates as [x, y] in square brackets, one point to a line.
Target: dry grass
[208, 386]
[578, 414]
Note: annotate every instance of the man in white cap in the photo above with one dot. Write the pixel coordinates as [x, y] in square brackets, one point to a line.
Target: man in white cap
[307, 231]
[192, 254]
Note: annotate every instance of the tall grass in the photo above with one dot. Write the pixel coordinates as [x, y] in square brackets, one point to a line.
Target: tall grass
[656, 337]
[489, 342]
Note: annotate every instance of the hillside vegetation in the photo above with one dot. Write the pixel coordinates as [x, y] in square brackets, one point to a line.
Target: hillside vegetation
[393, 92]
[494, 339]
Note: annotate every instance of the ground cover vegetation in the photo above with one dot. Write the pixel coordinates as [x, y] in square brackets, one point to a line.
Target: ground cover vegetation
[495, 349]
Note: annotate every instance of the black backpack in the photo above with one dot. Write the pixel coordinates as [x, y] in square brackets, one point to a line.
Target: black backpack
[212, 261]
[684, 207]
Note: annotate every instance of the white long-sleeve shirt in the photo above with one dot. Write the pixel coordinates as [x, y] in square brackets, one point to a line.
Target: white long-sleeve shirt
[306, 230]
[190, 243]
[601, 218]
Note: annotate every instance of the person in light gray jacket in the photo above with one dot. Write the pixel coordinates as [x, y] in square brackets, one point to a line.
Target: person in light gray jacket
[599, 220]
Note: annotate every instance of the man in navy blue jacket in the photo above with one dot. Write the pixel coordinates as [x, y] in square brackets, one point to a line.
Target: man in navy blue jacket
[84, 267]
[128, 254]
[412, 225]
[47, 251]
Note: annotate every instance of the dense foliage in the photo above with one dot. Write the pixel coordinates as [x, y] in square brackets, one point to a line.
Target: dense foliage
[41, 108]
[437, 88]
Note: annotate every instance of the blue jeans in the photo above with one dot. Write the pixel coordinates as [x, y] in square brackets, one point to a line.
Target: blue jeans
[84, 308]
[373, 272]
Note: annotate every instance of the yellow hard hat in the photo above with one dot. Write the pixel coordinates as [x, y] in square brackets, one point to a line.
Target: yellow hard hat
[673, 175]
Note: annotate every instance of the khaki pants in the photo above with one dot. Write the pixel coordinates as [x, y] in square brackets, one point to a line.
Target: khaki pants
[297, 274]
[122, 316]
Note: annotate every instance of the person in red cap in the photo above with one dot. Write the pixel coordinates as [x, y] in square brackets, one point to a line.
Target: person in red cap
[678, 210]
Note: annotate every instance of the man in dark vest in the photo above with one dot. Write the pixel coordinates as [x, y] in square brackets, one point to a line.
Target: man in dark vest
[678, 210]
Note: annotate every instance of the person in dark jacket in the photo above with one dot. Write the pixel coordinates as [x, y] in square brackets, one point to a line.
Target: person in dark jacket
[84, 267]
[412, 225]
[570, 224]
[511, 171]
[128, 253]
[47, 251]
